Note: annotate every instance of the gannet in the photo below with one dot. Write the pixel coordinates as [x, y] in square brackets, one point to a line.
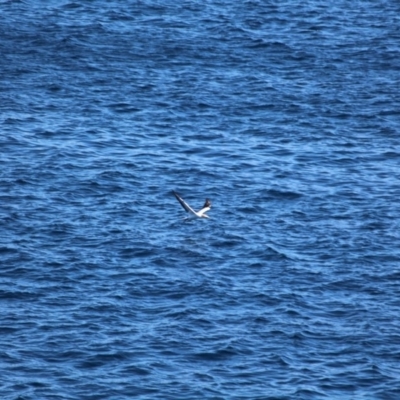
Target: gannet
[200, 214]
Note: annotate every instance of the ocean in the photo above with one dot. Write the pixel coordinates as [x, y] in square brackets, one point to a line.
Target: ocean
[285, 114]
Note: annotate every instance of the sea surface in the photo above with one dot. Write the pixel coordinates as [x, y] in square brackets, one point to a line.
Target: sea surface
[285, 114]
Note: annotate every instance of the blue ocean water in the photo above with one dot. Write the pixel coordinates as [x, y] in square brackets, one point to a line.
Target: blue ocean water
[286, 114]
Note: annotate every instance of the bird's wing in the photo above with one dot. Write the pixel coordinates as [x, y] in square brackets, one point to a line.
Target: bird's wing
[205, 208]
[184, 204]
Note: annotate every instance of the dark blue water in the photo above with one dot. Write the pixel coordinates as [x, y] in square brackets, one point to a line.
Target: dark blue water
[286, 114]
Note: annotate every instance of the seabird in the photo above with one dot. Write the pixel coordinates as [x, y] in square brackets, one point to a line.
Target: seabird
[201, 213]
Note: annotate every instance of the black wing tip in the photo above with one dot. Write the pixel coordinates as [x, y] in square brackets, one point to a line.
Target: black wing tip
[207, 203]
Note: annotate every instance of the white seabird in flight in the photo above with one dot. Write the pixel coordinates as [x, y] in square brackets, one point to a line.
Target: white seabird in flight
[200, 214]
